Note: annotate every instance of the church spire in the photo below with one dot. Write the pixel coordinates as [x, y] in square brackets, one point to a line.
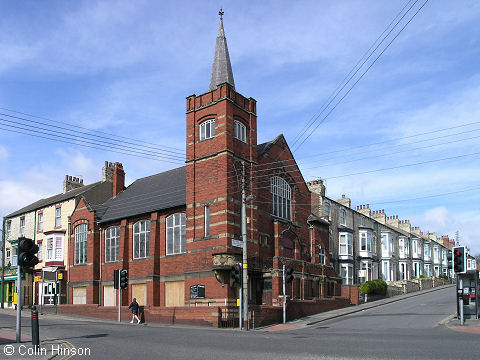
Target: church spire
[221, 68]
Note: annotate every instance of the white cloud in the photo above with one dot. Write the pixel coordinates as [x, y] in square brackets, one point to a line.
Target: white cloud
[3, 153]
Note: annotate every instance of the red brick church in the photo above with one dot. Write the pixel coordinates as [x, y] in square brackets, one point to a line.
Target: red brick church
[177, 233]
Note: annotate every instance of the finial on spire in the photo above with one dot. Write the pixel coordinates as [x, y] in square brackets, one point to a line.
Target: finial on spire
[221, 68]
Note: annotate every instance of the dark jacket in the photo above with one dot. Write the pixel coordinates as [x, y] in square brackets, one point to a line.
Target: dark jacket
[134, 307]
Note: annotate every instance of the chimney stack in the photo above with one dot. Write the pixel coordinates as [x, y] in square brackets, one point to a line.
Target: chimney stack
[71, 183]
[345, 201]
[364, 210]
[118, 178]
[379, 215]
[317, 187]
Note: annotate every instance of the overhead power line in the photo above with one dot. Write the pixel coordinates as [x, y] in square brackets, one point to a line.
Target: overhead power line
[359, 78]
[349, 76]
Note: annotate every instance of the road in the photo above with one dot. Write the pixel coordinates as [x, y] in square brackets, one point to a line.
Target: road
[406, 329]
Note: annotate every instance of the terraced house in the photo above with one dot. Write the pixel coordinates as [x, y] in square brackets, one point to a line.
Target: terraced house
[47, 221]
[368, 245]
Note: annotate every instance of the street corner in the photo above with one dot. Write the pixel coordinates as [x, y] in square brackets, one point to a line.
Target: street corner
[470, 325]
[280, 327]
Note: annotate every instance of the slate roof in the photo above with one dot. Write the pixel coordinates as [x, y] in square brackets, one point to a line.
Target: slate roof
[221, 68]
[53, 200]
[152, 193]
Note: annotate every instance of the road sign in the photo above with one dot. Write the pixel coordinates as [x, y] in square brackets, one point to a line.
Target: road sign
[237, 243]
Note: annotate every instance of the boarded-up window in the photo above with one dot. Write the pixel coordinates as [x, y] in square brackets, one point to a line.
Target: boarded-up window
[139, 292]
[80, 295]
[175, 293]
[109, 296]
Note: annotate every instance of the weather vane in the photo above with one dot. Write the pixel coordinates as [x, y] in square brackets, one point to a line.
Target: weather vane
[221, 14]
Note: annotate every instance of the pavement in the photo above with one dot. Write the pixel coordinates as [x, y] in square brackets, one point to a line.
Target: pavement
[471, 325]
[51, 348]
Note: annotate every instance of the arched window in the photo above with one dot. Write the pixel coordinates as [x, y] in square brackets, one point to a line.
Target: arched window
[281, 198]
[141, 239]
[240, 131]
[176, 233]
[207, 129]
[326, 209]
[112, 240]
[80, 244]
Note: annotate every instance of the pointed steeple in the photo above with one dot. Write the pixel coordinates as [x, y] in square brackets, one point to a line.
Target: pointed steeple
[221, 68]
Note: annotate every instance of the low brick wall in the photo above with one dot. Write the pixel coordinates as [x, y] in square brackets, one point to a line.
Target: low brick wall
[202, 315]
[260, 315]
[266, 315]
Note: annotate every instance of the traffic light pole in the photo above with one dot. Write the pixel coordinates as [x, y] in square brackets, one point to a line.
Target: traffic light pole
[119, 298]
[460, 299]
[19, 303]
[284, 300]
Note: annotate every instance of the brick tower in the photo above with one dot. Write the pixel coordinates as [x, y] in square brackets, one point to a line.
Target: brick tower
[221, 134]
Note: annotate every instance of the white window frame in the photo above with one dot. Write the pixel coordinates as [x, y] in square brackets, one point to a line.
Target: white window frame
[9, 228]
[386, 270]
[401, 247]
[207, 129]
[22, 226]
[426, 252]
[343, 217]
[40, 251]
[346, 273]
[366, 266]
[176, 234]
[40, 222]
[321, 255]
[112, 243]
[368, 237]
[14, 256]
[281, 198]
[54, 247]
[345, 240]
[8, 256]
[240, 131]
[58, 217]
[206, 212]
[141, 239]
[436, 254]
[81, 243]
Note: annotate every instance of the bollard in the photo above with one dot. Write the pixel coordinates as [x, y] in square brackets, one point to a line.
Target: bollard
[35, 329]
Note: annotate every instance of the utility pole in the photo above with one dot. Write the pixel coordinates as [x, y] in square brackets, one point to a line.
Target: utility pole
[245, 263]
[19, 302]
[2, 295]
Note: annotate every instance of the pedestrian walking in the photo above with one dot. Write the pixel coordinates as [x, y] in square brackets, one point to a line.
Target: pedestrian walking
[134, 307]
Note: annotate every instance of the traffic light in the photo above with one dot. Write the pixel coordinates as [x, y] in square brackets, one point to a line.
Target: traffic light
[459, 259]
[288, 274]
[123, 279]
[115, 278]
[27, 251]
[449, 258]
[237, 273]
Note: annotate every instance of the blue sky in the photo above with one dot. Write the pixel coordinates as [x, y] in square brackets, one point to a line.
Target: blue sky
[125, 68]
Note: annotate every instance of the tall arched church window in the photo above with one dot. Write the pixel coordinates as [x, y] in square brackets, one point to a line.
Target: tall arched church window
[281, 198]
[141, 239]
[176, 233]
